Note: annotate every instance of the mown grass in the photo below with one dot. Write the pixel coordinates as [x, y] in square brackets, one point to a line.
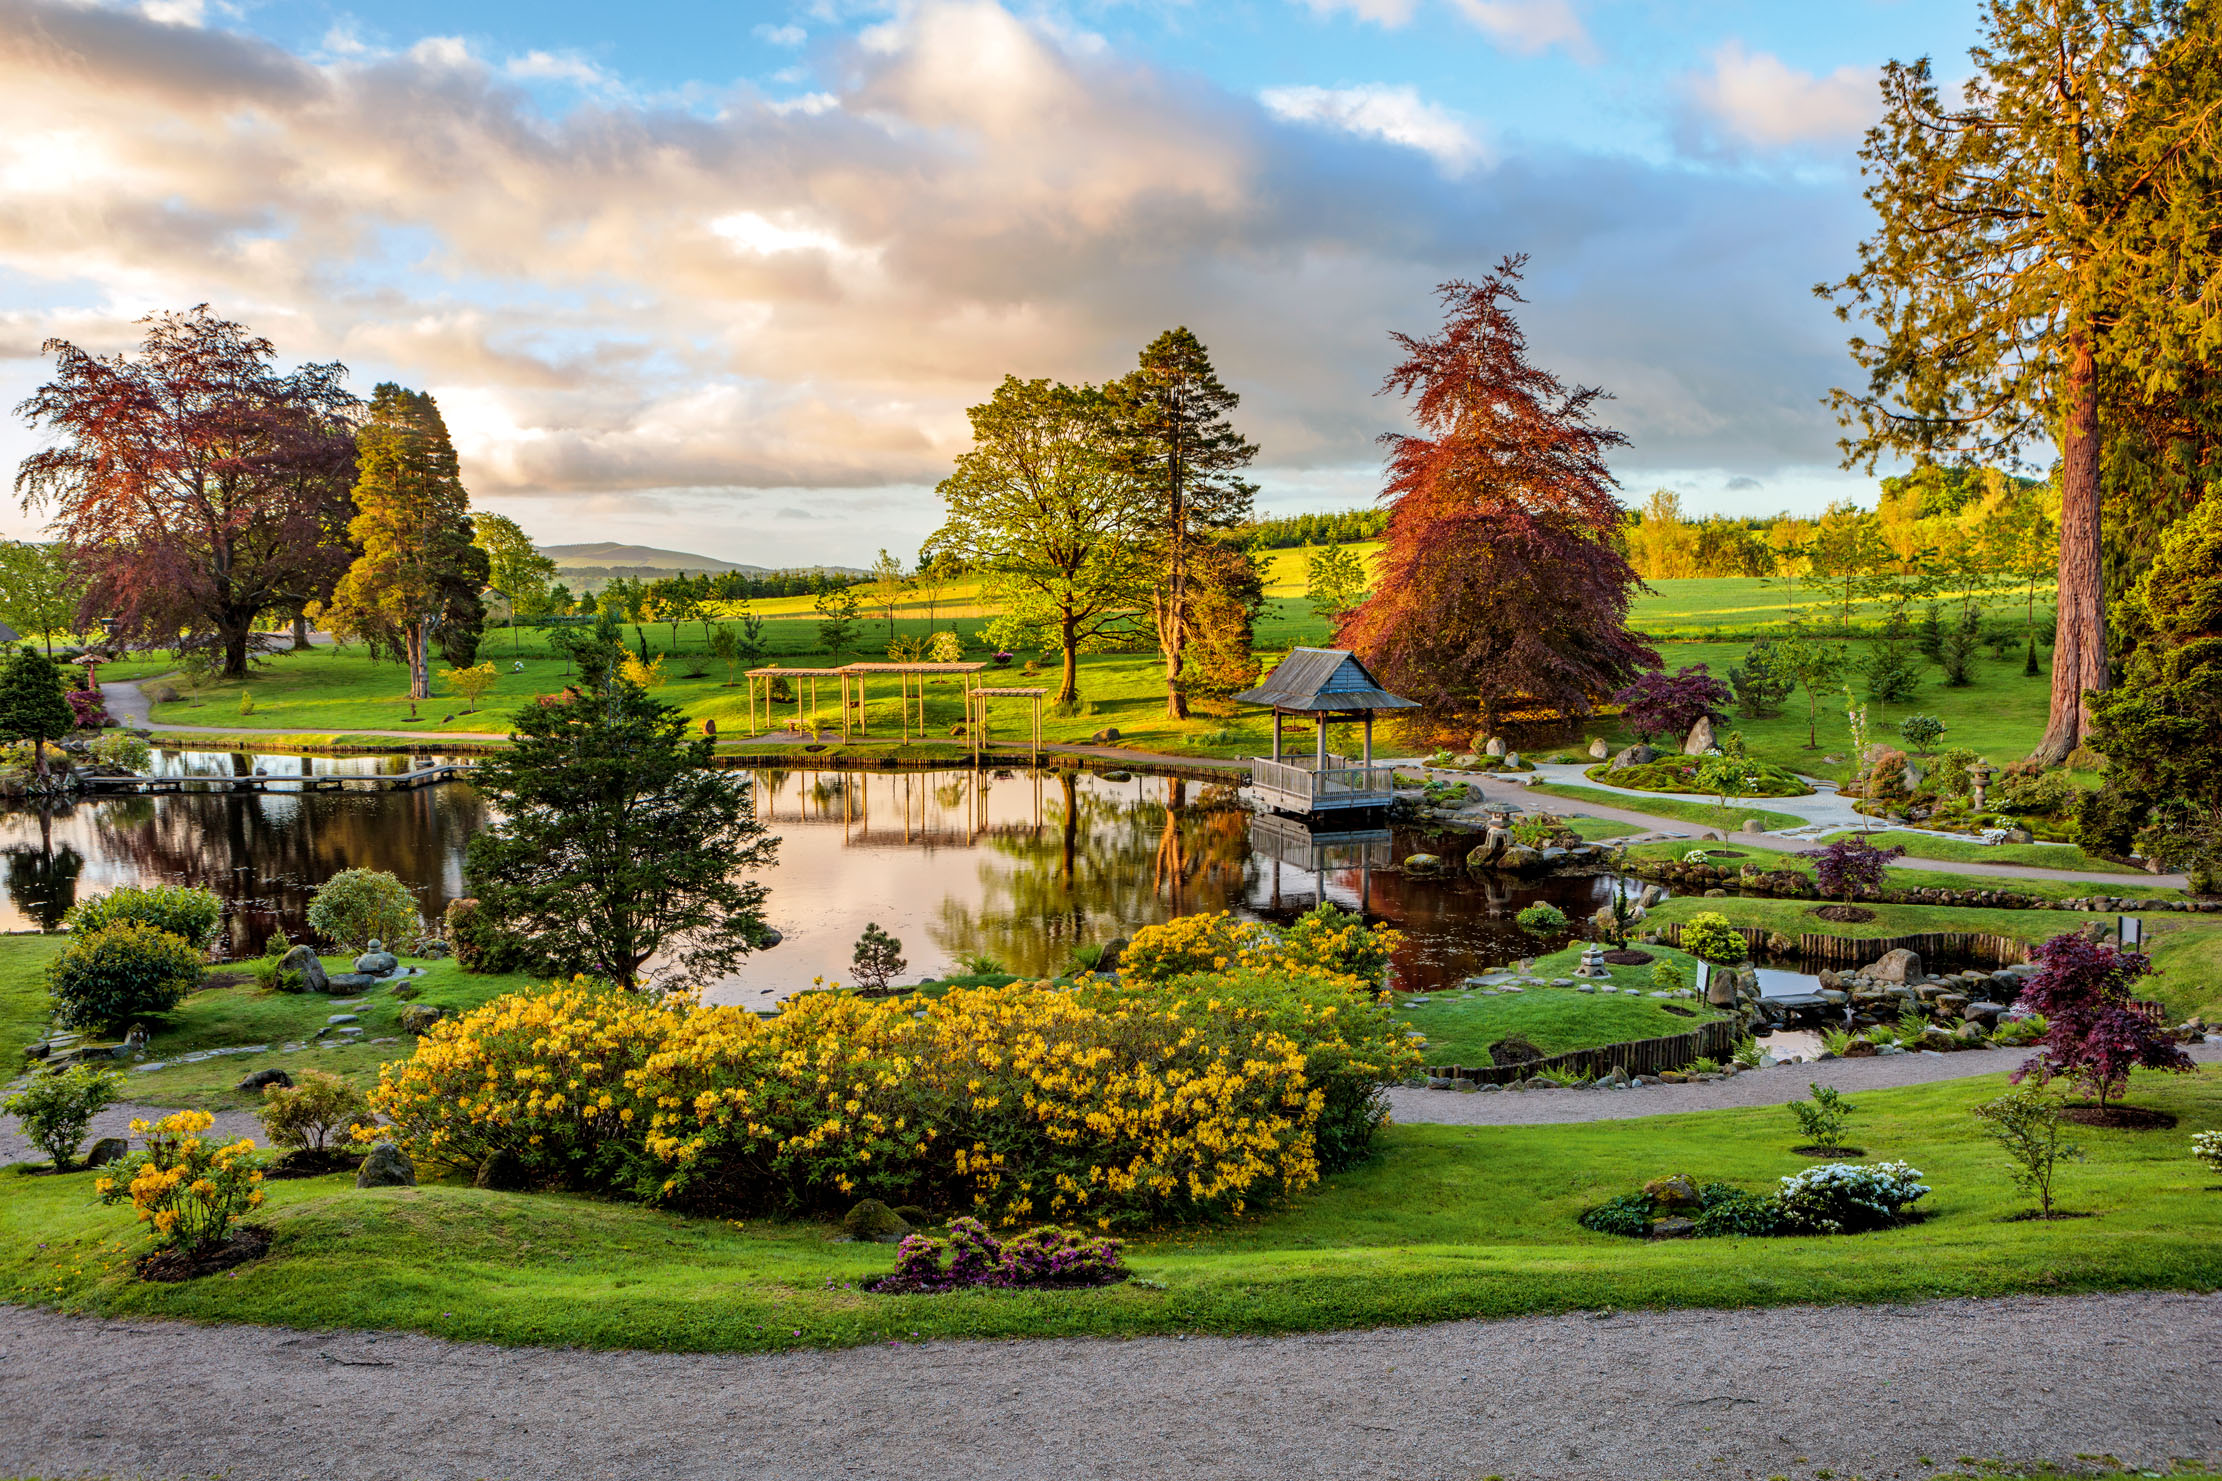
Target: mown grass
[1448, 1222]
[1462, 1025]
[1967, 851]
[1896, 877]
[1700, 815]
[25, 1006]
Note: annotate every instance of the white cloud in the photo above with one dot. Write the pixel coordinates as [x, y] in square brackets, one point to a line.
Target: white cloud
[1390, 13]
[787, 35]
[1530, 26]
[1756, 99]
[175, 12]
[442, 51]
[1397, 115]
[548, 66]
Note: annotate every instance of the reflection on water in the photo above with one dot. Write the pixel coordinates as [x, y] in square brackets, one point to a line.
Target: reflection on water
[1021, 866]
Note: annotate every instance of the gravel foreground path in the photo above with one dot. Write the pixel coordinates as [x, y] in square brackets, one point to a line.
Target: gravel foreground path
[1768, 1087]
[1867, 1391]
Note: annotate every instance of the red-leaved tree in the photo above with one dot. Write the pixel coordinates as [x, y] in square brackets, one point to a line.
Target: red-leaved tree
[2093, 1035]
[1497, 589]
[1660, 703]
[195, 487]
[1850, 866]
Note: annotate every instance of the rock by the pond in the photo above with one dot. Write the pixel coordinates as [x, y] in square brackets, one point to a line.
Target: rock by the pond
[405, 988]
[1422, 863]
[1673, 1227]
[1636, 755]
[260, 1078]
[302, 959]
[1598, 750]
[435, 950]
[1701, 738]
[418, 1017]
[387, 1166]
[1495, 747]
[1673, 1193]
[873, 1220]
[1898, 965]
[377, 962]
[768, 937]
[351, 982]
[106, 1150]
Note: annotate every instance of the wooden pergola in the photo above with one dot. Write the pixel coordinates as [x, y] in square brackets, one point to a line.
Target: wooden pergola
[979, 716]
[853, 701]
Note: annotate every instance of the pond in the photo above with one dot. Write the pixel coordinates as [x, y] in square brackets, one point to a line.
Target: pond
[1020, 866]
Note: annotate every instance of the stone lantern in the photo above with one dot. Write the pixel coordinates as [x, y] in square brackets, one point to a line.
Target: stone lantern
[1979, 776]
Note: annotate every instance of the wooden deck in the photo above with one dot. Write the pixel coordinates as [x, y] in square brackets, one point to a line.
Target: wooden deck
[403, 781]
[1306, 787]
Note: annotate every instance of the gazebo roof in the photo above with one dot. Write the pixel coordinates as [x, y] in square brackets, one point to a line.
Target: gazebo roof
[1323, 681]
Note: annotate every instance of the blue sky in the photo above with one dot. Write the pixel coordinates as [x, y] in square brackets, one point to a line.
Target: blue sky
[725, 276]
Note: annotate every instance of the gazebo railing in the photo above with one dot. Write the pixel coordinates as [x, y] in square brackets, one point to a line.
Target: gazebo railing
[1305, 786]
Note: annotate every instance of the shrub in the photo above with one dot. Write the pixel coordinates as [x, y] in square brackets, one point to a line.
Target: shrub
[947, 647]
[191, 915]
[1629, 1215]
[1186, 944]
[2015, 1032]
[479, 942]
[2093, 1034]
[1886, 775]
[1821, 1119]
[87, 710]
[2045, 793]
[1657, 703]
[56, 1110]
[1709, 937]
[1726, 1210]
[1921, 732]
[1668, 976]
[1765, 680]
[1045, 1257]
[121, 749]
[188, 1189]
[878, 956]
[2026, 1123]
[358, 906]
[124, 972]
[1849, 1197]
[1542, 919]
[1851, 865]
[2207, 1147]
[1326, 939]
[308, 1113]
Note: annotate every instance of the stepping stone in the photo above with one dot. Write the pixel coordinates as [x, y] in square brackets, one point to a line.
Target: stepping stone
[340, 1018]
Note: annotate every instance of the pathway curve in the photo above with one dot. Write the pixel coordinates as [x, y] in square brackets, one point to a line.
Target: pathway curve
[1774, 1086]
[1866, 1390]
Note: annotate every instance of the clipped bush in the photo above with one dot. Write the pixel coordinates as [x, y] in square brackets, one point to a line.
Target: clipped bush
[109, 977]
[311, 1111]
[479, 942]
[56, 1110]
[1709, 937]
[1849, 1197]
[190, 914]
[358, 906]
[1542, 919]
[121, 749]
[190, 1190]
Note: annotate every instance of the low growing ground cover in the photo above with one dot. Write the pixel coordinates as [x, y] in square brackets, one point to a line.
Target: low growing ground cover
[1460, 1026]
[1680, 774]
[1448, 1222]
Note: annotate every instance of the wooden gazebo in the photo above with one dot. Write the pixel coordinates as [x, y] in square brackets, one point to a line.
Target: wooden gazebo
[1323, 685]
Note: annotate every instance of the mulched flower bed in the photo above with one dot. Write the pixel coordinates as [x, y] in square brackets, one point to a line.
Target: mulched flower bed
[2119, 1118]
[2039, 1216]
[304, 1163]
[1850, 915]
[1627, 957]
[1815, 1149]
[247, 1242]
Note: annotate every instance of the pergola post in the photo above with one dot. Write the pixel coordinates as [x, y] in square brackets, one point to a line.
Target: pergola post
[1276, 735]
[1320, 720]
[1369, 738]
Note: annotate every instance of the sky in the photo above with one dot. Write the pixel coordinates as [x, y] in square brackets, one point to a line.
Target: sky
[724, 276]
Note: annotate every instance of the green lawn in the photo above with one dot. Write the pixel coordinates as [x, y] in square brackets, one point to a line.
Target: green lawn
[1449, 1222]
[1898, 878]
[244, 1013]
[1460, 1026]
[1700, 815]
[1967, 851]
[24, 1004]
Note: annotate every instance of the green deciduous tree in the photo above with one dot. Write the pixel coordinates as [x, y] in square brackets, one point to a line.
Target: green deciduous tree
[419, 572]
[1048, 505]
[516, 568]
[887, 587]
[1334, 581]
[837, 608]
[623, 850]
[39, 593]
[1182, 449]
[2046, 234]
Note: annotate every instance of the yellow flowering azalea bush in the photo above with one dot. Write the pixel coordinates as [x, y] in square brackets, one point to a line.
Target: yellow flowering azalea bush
[188, 1188]
[1324, 939]
[1116, 1105]
[531, 1086]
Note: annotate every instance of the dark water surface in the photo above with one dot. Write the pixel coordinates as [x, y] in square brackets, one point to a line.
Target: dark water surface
[1021, 866]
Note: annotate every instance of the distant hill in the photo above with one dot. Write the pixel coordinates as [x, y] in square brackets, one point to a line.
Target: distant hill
[591, 566]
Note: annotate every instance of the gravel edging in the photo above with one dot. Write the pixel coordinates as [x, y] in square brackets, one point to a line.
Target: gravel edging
[1868, 1390]
[116, 1121]
[1769, 1087]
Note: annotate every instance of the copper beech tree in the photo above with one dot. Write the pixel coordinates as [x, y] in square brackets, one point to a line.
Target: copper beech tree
[196, 488]
[1497, 588]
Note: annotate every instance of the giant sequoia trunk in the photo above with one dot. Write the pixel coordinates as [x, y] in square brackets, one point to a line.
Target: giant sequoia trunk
[2079, 650]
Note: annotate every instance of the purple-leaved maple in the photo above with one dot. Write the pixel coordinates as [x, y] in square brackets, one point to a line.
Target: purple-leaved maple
[1850, 866]
[1659, 703]
[2094, 1036]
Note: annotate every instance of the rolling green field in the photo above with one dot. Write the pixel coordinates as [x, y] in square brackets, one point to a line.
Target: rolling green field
[1448, 1222]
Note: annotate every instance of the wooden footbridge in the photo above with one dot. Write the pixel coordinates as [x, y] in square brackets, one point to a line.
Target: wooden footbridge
[399, 781]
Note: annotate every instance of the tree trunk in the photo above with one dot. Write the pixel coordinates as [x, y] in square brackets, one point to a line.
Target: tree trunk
[300, 632]
[2079, 649]
[1068, 637]
[419, 643]
[235, 649]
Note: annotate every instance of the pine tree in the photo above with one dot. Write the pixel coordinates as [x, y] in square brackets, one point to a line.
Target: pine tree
[31, 704]
[419, 571]
[1180, 444]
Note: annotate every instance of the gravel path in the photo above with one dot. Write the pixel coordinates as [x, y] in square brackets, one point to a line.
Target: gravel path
[1869, 1390]
[1768, 1087]
[116, 1121]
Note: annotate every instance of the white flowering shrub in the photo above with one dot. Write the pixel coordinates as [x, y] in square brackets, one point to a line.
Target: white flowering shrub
[2207, 1147]
[1848, 1197]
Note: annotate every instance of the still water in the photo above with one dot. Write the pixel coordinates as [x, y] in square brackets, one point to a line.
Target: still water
[1021, 866]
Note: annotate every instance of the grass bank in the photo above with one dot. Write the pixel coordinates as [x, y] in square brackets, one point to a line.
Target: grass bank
[1896, 878]
[1967, 851]
[1447, 1223]
[1696, 814]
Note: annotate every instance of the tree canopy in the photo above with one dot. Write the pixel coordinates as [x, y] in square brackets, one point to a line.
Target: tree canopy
[195, 488]
[1498, 588]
